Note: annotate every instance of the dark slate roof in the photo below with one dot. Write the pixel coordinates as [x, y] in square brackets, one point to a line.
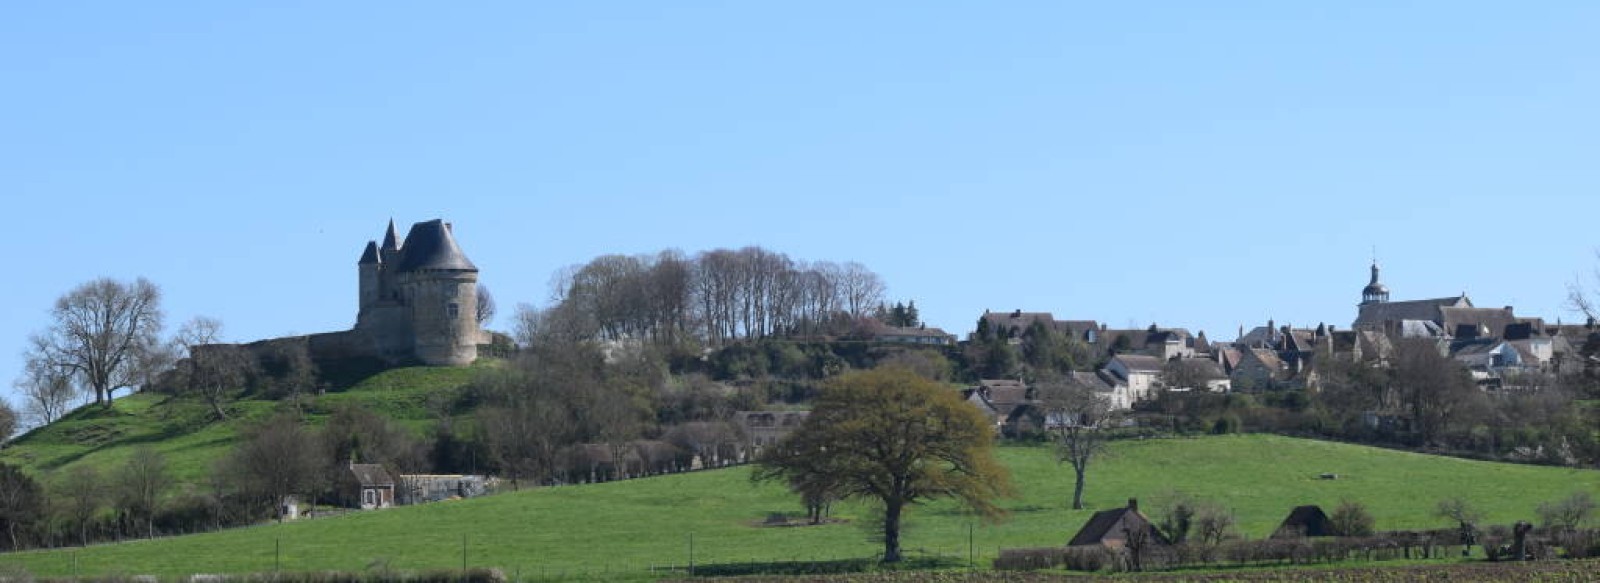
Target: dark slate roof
[1429, 310]
[1092, 380]
[370, 254]
[1100, 526]
[391, 240]
[371, 475]
[1495, 319]
[1018, 321]
[1140, 362]
[430, 245]
[1304, 521]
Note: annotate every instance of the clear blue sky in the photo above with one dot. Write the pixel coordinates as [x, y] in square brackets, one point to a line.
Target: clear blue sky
[1197, 164]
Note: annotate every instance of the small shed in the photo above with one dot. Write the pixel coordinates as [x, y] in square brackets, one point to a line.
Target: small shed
[1307, 520]
[372, 486]
[1113, 528]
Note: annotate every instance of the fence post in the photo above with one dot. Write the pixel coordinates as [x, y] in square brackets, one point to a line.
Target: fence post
[971, 560]
[463, 555]
[691, 554]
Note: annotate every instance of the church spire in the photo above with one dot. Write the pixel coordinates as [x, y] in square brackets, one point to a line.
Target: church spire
[1375, 292]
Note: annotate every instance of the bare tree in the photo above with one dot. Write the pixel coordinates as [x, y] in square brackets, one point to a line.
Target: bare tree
[98, 333]
[22, 502]
[276, 459]
[1433, 389]
[79, 495]
[486, 306]
[141, 483]
[862, 288]
[1568, 513]
[47, 392]
[213, 371]
[1079, 418]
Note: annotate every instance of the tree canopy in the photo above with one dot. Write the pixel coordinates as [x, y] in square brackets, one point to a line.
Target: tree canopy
[895, 437]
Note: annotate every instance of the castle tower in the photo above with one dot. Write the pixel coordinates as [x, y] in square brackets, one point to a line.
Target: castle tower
[1375, 292]
[370, 268]
[439, 285]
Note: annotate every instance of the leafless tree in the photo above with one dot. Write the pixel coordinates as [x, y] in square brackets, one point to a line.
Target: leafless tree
[215, 372]
[79, 495]
[862, 288]
[99, 331]
[141, 482]
[1581, 296]
[1568, 513]
[486, 306]
[1079, 419]
[47, 392]
[276, 459]
[1431, 388]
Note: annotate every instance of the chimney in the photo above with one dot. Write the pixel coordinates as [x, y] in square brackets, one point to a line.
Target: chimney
[1133, 504]
[1017, 314]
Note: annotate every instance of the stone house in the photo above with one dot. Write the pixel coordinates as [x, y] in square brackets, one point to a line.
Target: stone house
[1115, 528]
[1139, 372]
[367, 486]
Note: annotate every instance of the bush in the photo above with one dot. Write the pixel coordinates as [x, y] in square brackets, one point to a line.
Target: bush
[1351, 519]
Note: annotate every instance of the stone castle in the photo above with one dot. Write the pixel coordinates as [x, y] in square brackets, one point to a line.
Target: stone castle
[418, 300]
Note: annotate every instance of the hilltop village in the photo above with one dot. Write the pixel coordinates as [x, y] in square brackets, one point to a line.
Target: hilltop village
[670, 363]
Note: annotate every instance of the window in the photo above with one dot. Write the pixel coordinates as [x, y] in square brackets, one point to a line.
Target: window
[369, 497]
[453, 310]
[450, 292]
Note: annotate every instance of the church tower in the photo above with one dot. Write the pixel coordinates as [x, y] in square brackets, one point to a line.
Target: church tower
[1375, 292]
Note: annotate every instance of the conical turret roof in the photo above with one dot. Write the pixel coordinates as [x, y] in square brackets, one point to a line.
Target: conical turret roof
[391, 240]
[370, 255]
[430, 245]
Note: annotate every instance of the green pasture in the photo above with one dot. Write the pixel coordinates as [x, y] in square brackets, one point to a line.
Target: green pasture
[624, 529]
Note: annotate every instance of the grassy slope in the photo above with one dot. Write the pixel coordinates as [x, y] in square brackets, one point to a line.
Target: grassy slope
[631, 525]
[185, 432]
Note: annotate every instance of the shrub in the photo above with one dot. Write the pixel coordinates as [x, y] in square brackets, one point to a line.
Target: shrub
[1351, 519]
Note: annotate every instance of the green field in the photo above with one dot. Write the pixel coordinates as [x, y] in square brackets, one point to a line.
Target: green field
[185, 431]
[606, 530]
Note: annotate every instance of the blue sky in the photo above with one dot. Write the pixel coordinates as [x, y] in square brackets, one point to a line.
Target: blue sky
[1192, 164]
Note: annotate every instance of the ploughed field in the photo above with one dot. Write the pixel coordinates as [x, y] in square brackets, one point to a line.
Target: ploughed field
[640, 528]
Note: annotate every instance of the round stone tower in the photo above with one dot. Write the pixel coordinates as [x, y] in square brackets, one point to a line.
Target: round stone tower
[440, 286]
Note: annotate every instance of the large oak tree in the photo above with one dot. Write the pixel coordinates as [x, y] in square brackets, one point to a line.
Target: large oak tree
[895, 437]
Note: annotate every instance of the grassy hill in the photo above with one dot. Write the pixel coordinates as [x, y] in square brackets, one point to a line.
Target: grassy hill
[185, 431]
[608, 529]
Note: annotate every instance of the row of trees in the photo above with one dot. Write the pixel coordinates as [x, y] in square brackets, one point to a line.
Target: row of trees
[716, 296]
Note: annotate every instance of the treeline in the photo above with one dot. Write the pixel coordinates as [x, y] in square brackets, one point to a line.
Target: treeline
[715, 297]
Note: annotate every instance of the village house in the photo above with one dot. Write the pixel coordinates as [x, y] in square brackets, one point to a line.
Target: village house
[1013, 324]
[1141, 373]
[920, 335]
[1009, 404]
[367, 486]
[1118, 529]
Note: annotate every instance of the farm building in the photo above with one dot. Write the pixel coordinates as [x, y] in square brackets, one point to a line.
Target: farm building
[1114, 529]
[1304, 521]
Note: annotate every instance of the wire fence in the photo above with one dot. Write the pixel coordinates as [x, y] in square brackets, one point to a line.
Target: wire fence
[283, 561]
